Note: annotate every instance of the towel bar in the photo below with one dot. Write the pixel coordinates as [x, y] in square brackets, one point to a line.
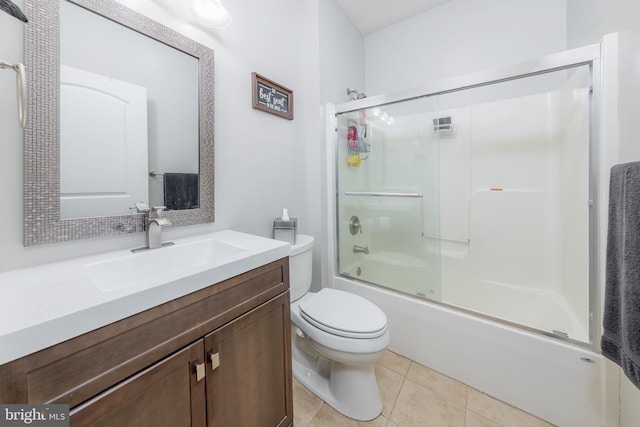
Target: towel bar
[21, 86]
[381, 194]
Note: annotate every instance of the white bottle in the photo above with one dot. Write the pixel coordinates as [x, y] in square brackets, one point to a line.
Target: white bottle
[285, 228]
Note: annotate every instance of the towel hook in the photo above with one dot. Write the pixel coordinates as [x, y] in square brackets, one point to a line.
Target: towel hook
[21, 87]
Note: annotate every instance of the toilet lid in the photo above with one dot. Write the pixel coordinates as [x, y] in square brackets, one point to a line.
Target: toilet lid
[344, 314]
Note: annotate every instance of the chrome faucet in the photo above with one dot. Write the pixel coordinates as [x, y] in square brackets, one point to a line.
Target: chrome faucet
[154, 222]
[360, 249]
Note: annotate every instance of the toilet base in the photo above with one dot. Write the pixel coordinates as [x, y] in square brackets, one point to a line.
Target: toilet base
[350, 389]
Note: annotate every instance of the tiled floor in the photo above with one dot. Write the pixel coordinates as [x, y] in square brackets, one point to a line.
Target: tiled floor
[413, 395]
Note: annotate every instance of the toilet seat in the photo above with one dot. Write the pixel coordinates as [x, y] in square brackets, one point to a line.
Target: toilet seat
[344, 314]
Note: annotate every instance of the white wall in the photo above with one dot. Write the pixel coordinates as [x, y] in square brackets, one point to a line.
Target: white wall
[341, 53]
[340, 65]
[460, 37]
[260, 158]
[587, 22]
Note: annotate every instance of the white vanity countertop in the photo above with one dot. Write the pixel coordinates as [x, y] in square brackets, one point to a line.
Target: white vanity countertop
[48, 304]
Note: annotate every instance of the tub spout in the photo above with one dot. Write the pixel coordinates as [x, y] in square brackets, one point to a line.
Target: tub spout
[360, 249]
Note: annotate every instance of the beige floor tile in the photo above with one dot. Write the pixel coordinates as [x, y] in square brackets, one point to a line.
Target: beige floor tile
[420, 406]
[425, 398]
[389, 384]
[329, 417]
[475, 420]
[305, 405]
[499, 412]
[395, 362]
[438, 383]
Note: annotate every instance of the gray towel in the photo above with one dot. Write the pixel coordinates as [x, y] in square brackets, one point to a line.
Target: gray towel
[181, 191]
[621, 338]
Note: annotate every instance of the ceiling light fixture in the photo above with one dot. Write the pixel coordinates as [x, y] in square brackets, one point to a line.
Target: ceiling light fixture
[211, 13]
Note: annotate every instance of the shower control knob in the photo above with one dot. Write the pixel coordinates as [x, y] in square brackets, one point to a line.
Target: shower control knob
[354, 225]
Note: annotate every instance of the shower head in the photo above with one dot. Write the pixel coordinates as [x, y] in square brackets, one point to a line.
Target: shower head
[354, 94]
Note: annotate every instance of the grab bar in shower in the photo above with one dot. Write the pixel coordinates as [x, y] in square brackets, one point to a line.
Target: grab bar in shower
[381, 194]
[445, 238]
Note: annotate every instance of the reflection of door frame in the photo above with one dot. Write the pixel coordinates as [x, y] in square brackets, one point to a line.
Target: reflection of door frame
[109, 133]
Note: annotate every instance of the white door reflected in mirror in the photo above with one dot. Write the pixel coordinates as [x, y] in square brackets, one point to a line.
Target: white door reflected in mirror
[91, 43]
[103, 145]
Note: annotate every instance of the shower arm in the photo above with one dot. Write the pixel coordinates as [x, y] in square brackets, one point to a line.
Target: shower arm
[21, 87]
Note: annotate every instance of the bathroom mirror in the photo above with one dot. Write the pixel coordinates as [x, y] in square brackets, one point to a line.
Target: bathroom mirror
[81, 189]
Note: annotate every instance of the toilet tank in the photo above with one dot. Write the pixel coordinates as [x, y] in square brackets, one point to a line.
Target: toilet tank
[300, 262]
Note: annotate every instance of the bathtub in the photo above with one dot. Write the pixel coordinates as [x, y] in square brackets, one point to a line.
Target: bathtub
[543, 309]
[562, 383]
[402, 272]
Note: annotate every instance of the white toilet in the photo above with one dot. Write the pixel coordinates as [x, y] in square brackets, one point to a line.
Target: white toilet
[337, 337]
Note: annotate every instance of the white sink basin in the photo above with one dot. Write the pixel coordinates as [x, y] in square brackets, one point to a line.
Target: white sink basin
[159, 264]
[47, 304]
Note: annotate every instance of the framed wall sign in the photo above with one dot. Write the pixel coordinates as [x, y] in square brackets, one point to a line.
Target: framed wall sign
[271, 97]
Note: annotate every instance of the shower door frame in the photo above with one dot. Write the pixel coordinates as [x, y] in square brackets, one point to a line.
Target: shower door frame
[588, 55]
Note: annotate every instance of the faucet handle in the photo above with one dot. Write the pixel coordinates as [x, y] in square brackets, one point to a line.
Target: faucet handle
[142, 207]
[156, 211]
[354, 225]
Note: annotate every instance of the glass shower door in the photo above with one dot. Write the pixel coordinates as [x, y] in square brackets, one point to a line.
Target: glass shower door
[388, 197]
[528, 202]
[477, 197]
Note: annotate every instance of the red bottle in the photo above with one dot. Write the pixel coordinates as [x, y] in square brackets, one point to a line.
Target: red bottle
[352, 138]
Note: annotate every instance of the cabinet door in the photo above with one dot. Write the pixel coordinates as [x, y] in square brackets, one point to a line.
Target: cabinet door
[165, 394]
[249, 369]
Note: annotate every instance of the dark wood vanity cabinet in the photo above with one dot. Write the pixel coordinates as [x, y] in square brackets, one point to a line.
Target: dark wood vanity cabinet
[165, 394]
[218, 357]
[249, 369]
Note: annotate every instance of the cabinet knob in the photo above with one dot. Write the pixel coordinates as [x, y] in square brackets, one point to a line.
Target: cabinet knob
[215, 360]
[200, 371]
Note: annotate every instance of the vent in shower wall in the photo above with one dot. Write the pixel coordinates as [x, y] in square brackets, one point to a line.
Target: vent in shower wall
[442, 125]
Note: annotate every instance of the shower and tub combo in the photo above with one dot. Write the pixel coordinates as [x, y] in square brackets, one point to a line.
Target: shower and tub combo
[467, 211]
